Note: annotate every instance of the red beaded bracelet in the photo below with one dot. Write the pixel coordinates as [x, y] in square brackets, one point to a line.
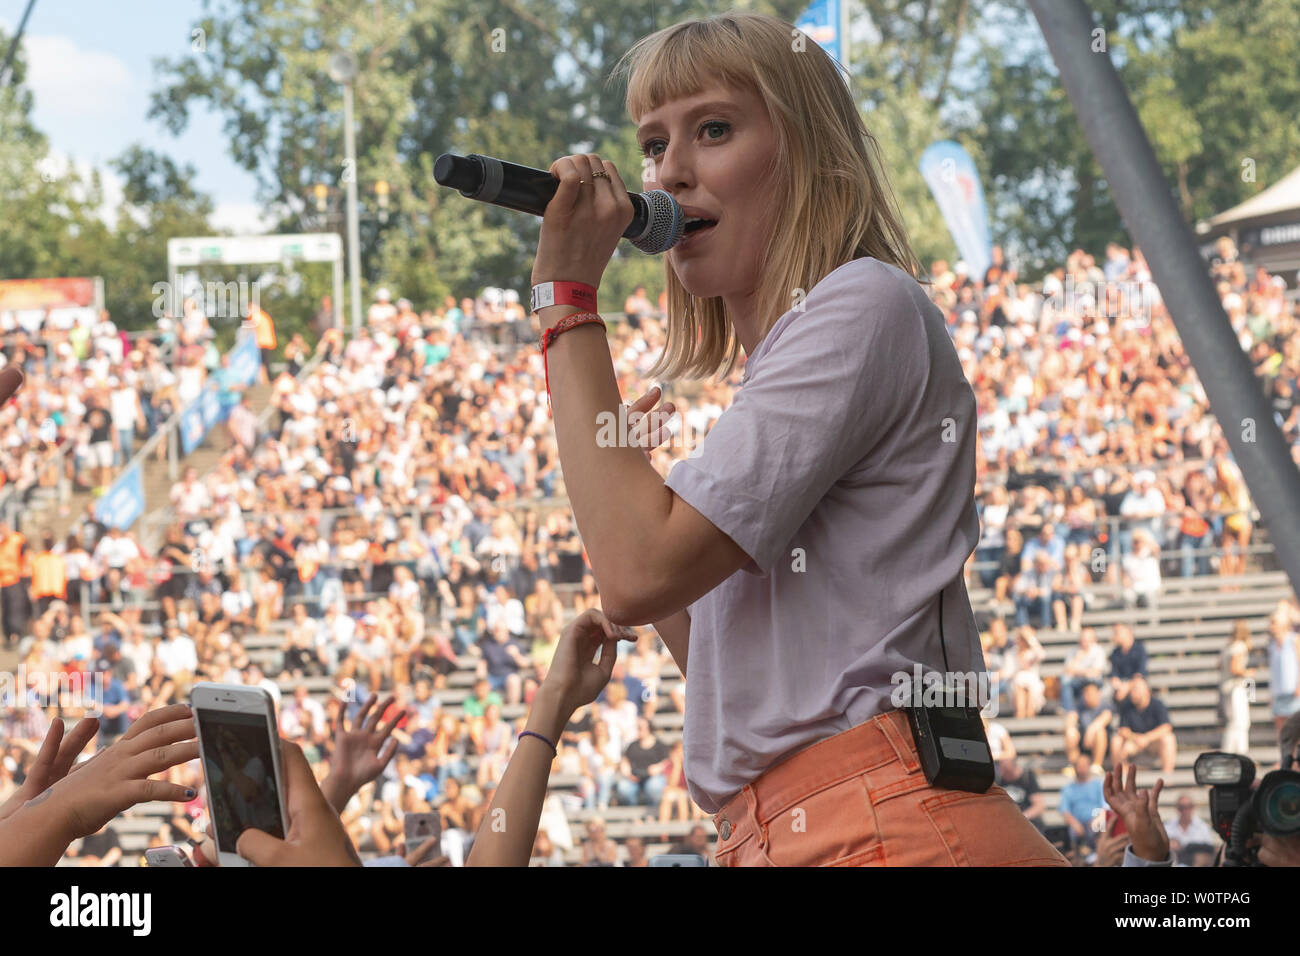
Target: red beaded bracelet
[551, 334]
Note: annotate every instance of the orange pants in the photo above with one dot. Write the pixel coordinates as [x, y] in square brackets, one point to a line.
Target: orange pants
[860, 798]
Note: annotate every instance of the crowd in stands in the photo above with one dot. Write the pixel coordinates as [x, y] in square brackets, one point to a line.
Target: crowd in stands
[93, 391]
[402, 516]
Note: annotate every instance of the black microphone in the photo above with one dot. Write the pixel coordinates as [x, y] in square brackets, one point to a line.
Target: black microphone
[658, 222]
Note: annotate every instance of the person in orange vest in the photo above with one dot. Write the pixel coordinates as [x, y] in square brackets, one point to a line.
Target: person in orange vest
[13, 596]
[264, 331]
[49, 576]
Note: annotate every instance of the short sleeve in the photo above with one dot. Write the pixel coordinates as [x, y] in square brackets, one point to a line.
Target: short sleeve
[834, 382]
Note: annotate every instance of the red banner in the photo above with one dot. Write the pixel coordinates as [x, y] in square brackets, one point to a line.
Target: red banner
[18, 295]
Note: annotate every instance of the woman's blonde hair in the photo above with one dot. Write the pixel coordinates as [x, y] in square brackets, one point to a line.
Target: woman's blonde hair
[834, 203]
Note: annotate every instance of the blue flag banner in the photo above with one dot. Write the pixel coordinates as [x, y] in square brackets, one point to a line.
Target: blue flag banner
[208, 410]
[210, 401]
[123, 503]
[955, 182]
[245, 360]
[821, 21]
[192, 427]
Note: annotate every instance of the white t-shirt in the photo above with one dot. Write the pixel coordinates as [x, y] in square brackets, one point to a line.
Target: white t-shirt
[178, 655]
[122, 406]
[116, 552]
[832, 469]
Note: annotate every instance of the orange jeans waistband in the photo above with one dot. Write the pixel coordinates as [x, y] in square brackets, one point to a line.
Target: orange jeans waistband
[876, 741]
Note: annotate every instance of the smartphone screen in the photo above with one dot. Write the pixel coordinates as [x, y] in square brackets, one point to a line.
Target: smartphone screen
[240, 772]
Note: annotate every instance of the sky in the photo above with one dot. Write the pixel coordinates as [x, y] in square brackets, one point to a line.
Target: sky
[90, 71]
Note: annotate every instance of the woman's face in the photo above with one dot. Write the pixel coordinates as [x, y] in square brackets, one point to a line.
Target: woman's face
[710, 153]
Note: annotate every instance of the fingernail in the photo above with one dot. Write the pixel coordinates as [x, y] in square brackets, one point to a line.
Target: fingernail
[190, 794]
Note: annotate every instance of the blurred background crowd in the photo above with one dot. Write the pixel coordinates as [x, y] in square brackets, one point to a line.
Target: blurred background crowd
[393, 521]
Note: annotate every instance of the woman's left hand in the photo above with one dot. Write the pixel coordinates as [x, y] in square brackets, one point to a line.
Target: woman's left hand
[583, 222]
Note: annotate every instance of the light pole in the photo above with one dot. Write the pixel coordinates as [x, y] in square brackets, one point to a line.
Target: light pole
[343, 70]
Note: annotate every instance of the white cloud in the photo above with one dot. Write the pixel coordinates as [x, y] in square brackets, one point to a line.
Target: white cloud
[242, 218]
[70, 82]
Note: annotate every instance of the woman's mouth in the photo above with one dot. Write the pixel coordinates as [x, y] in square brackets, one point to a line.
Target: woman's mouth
[696, 232]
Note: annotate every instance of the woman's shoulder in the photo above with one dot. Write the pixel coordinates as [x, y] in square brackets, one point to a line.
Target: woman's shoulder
[850, 278]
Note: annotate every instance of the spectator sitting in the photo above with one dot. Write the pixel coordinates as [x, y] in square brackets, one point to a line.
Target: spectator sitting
[637, 307]
[645, 761]
[1032, 589]
[1048, 542]
[697, 842]
[503, 659]
[1283, 667]
[1191, 838]
[1088, 663]
[1009, 569]
[1022, 787]
[999, 660]
[635, 852]
[1145, 725]
[101, 848]
[1128, 659]
[1235, 675]
[620, 713]
[546, 853]
[598, 849]
[1140, 574]
[483, 697]
[1143, 506]
[1080, 801]
[1027, 682]
[1069, 589]
[1087, 727]
[1001, 746]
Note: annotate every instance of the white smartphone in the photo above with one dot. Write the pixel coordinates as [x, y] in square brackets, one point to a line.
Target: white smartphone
[166, 857]
[419, 828]
[239, 745]
[678, 859]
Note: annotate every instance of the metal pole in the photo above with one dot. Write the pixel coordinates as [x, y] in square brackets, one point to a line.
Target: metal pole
[338, 294]
[1146, 202]
[13, 44]
[354, 232]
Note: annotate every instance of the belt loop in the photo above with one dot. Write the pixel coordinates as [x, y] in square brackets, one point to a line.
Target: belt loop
[760, 831]
[889, 726]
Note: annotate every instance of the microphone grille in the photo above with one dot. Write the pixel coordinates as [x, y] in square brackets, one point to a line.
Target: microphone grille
[665, 224]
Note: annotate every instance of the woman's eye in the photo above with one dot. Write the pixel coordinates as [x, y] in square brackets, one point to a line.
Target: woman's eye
[647, 149]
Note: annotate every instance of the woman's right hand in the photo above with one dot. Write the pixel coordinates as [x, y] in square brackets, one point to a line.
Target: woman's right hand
[316, 836]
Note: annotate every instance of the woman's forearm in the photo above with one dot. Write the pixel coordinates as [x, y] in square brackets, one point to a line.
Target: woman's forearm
[509, 828]
[620, 503]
